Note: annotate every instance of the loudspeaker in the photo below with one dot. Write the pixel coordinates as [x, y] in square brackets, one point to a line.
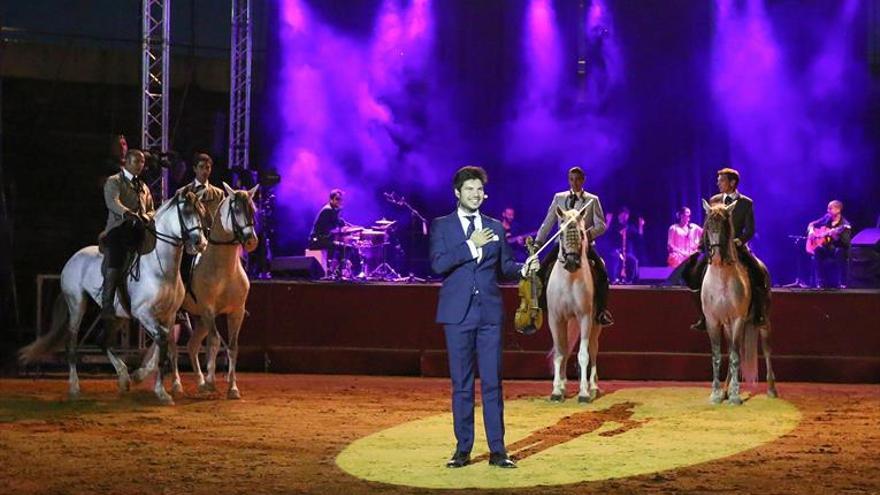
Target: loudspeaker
[297, 267]
[864, 259]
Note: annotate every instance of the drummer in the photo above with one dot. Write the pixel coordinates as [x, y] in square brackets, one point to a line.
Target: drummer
[328, 225]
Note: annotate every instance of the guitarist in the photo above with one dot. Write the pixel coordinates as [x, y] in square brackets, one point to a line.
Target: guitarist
[828, 240]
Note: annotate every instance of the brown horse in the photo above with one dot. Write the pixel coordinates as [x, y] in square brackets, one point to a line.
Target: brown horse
[726, 296]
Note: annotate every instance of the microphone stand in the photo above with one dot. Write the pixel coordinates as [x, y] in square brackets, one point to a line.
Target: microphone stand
[797, 283]
[393, 198]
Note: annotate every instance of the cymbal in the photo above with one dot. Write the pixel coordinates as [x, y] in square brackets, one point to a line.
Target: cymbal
[369, 232]
[346, 230]
[383, 224]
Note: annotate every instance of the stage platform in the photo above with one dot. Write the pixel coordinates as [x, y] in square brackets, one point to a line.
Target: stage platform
[389, 329]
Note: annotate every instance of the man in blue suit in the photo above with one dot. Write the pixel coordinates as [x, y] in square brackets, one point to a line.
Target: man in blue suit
[470, 252]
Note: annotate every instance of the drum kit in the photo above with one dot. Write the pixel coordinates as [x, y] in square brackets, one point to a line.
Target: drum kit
[369, 245]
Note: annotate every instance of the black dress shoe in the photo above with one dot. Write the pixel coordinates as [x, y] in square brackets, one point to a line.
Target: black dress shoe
[500, 459]
[459, 459]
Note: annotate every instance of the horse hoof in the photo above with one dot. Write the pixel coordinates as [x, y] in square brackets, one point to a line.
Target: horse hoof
[124, 385]
[207, 387]
[584, 399]
[735, 401]
[771, 392]
[556, 397]
[166, 400]
[139, 376]
[233, 394]
[176, 389]
[716, 397]
[73, 395]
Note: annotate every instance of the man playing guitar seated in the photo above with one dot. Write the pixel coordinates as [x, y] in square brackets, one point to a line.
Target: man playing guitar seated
[828, 240]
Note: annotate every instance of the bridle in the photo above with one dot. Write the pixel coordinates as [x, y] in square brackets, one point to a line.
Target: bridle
[179, 202]
[238, 236]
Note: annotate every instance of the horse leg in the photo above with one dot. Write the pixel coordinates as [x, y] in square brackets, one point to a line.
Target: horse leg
[765, 345]
[736, 345]
[76, 309]
[148, 365]
[193, 347]
[208, 319]
[584, 358]
[123, 382]
[595, 331]
[559, 331]
[714, 330]
[233, 322]
[176, 385]
[161, 336]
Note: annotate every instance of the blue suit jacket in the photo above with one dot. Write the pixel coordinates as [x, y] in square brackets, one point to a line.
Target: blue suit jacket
[462, 275]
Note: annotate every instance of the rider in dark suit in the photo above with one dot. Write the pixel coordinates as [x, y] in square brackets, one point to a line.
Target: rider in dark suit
[470, 252]
[743, 231]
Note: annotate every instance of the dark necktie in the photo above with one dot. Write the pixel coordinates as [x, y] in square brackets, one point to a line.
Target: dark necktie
[136, 183]
[728, 200]
[199, 188]
[572, 200]
[471, 227]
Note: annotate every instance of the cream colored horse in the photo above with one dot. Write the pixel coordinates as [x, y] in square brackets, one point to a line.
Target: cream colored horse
[725, 296]
[570, 309]
[219, 287]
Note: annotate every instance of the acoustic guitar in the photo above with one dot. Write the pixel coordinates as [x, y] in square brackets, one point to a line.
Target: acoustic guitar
[822, 236]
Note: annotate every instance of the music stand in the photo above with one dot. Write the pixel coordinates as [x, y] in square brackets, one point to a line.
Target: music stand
[798, 283]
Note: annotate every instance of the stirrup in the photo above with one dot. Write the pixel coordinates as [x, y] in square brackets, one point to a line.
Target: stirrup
[699, 325]
[604, 318]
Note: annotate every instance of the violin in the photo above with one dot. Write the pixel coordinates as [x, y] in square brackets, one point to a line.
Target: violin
[529, 316]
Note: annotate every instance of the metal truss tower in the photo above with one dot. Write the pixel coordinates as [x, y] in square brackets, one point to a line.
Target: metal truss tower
[241, 50]
[155, 87]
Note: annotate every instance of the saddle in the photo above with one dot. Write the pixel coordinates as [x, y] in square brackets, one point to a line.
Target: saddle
[146, 244]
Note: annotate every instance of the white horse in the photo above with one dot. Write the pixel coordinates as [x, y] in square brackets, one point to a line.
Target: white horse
[153, 284]
[570, 309]
[220, 287]
[726, 295]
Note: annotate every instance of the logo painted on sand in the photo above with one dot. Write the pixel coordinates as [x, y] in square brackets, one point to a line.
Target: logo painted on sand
[626, 433]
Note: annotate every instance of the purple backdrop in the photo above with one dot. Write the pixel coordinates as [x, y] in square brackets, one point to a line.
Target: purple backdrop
[383, 95]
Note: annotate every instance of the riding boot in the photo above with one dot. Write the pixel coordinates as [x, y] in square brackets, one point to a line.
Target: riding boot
[600, 296]
[108, 293]
[699, 325]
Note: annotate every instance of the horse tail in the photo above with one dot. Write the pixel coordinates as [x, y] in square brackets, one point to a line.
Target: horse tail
[52, 340]
[749, 358]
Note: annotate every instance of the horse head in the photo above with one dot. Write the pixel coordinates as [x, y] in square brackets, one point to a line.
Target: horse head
[718, 228]
[236, 214]
[574, 235]
[190, 213]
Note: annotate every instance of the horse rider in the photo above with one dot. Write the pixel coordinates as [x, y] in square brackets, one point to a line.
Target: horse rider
[210, 198]
[594, 219]
[130, 211]
[743, 231]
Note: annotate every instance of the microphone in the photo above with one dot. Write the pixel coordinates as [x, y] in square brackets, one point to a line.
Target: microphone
[485, 196]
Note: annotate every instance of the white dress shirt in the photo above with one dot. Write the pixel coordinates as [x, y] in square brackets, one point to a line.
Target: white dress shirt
[476, 252]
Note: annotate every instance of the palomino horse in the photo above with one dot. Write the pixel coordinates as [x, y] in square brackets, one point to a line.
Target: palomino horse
[725, 296]
[570, 308]
[153, 284]
[220, 286]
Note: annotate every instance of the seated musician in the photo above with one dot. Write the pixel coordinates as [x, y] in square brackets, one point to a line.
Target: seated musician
[325, 234]
[626, 240]
[683, 238]
[829, 238]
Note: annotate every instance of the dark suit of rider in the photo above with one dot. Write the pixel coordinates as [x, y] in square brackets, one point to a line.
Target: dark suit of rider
[743, 216]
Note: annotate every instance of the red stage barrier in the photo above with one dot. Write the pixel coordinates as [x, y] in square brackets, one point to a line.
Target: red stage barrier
[308, 327]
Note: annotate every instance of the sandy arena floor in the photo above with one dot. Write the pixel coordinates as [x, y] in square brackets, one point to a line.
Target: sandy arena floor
[286, 433]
